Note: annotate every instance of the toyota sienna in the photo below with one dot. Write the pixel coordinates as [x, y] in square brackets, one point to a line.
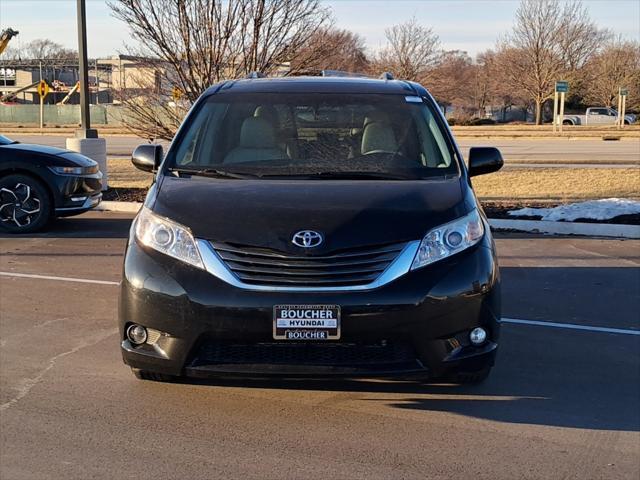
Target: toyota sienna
[311, 226]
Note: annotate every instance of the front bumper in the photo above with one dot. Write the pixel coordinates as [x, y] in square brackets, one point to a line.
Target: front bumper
[79, 205]
[418, 323]
[75, 194]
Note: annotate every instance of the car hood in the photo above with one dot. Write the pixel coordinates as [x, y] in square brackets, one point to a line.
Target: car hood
[72, 158]
[267, 213]
[37, 148]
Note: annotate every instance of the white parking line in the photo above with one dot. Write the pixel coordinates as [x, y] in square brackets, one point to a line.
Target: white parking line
[570, 326]
[60, 279]
[516, 321]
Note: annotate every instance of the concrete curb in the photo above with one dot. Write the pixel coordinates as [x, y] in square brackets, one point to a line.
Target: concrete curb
[125, 207]
[567, 228]
[533, 226]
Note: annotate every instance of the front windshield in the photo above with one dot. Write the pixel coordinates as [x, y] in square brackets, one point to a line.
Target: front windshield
[315, 135]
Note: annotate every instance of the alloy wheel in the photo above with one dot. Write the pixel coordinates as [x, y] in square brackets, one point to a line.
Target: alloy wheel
[19, 205]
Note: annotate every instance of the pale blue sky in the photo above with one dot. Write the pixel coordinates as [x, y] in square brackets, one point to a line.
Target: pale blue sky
[471, 25]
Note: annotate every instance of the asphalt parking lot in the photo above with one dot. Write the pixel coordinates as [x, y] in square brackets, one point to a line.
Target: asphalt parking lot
[562, 402]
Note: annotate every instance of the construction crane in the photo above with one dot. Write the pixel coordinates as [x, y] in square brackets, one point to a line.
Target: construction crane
[8, 97]
[73, 90]
[5, 38]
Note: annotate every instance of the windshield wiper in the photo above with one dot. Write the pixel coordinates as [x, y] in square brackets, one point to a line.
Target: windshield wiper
[347, 175]
[212, 172]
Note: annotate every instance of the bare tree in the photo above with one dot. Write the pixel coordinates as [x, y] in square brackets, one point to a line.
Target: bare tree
[11, 53]
[482, 82]
[500, 92]
[580, 38]
[550, 40]
[412, 50]
[332, 49]
[616, 66]
[196, 43]
[450, 80]
[472, 86]
[44, 49]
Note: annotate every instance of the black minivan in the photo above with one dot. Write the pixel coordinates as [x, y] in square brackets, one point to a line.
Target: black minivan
[312, 226]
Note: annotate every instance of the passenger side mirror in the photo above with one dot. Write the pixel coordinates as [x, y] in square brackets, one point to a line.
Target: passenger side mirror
[484, 160]
[147, 157]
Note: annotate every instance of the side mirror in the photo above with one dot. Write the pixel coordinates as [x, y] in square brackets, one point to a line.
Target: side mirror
[147, 157]
[484, 160]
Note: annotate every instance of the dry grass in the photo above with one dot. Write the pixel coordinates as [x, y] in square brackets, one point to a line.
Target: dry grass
[122, 174]
[558, 184]
[535, 184]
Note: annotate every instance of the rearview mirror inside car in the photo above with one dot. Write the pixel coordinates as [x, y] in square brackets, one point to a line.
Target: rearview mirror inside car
[147, 157]
[484, 160]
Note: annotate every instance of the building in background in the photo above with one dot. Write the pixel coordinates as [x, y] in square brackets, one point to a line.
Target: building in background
[109, 79]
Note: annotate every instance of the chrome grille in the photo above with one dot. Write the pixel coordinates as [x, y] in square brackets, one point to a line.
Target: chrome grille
[350, 267]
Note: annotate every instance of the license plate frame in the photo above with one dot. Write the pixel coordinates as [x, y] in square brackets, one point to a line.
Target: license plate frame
[299, 323]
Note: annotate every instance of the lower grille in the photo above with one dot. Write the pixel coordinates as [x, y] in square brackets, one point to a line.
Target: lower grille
[352, 267]
[303, 358]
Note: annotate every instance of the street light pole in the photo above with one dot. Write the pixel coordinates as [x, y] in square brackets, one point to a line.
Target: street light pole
[85, 118]
[86, 140]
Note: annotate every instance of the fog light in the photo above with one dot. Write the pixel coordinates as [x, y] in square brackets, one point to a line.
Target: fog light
[478, 336]
[137, 334]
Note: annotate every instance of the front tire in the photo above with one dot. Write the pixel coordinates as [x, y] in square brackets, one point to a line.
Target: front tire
[25, 204]
[567, 122]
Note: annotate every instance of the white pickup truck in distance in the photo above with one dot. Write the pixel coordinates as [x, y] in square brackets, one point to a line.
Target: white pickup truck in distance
[597, 116]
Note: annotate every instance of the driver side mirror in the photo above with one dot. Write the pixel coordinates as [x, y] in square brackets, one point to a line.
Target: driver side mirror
[484, 160]
[147, 157]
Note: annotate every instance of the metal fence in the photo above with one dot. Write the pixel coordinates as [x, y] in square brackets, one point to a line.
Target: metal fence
[59, 114]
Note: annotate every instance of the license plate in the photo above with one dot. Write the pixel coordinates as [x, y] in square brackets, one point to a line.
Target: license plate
[306, 322]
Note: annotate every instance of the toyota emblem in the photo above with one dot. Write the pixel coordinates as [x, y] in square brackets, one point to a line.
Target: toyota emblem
[307, 239]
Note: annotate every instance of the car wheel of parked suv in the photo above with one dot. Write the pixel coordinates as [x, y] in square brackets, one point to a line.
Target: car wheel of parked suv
[25, 205]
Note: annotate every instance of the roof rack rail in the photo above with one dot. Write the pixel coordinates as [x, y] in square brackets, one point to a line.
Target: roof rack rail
[341, 73]
[334, 73]
[256, 75]
[387, 76]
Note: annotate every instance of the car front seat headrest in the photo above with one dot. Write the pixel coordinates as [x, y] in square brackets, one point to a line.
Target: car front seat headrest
[256, 132]
[378, 137]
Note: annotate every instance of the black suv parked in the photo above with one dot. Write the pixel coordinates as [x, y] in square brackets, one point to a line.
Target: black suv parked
[312, 226]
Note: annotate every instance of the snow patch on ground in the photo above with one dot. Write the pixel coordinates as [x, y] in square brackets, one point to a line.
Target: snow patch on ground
[595, 209]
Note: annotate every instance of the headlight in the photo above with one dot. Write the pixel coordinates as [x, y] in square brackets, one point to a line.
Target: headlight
[75, 170]
[444, 241]
[167, 237]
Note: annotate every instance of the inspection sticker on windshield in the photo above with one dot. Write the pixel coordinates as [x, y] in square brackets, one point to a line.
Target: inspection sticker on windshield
[306, 322]
[413, 99]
